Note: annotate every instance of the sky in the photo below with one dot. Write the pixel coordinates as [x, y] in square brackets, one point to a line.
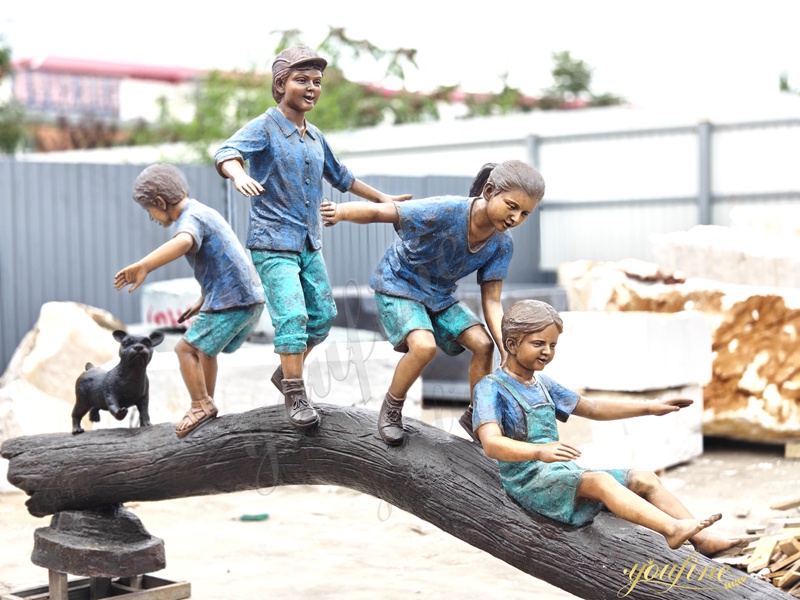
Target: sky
[652, 52]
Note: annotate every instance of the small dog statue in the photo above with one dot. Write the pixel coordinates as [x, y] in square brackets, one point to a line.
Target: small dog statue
[123, 386]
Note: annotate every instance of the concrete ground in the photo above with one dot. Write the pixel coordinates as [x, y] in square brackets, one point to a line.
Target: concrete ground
[329, 542]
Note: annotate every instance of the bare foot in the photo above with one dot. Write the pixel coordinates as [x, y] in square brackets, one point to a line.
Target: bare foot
[688, 528]
[713, 545]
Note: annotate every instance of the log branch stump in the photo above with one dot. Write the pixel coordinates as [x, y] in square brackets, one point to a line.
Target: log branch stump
[434, 475]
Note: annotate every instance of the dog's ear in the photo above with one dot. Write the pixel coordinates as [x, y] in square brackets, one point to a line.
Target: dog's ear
[156, 338]
[119, 335]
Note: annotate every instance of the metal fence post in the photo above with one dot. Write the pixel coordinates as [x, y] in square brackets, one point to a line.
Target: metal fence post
[229, 213]
[704, 129]
[534, 271]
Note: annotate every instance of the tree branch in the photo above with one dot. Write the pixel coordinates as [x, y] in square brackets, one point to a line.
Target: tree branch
[434, 475]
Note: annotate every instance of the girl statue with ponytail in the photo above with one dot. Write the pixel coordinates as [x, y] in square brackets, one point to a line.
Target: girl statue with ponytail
[440, 241]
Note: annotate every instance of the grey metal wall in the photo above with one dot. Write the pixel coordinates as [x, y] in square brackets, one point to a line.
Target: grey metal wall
[65, 229]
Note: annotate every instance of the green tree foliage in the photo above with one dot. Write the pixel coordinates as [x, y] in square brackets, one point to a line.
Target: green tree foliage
[12, 115]
[508, 100]
[224, 101]
[572, 79]
[572, 85]
[783, 85]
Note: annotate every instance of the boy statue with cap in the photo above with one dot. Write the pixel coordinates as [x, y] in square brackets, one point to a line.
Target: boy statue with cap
[288, 159]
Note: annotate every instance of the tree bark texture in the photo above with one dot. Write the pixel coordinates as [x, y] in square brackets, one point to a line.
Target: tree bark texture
[434, 475]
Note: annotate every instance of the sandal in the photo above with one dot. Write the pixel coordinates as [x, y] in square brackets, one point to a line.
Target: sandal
[201, 412]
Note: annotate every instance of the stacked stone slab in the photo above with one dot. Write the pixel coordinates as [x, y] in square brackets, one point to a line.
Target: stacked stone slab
[754, 390]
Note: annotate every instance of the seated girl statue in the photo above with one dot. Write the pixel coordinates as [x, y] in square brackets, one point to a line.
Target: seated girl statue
[515, 412]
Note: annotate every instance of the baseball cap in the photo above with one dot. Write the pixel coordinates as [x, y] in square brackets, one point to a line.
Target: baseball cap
[294, 56]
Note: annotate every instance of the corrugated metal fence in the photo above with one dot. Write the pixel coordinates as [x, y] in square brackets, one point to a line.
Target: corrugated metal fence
[65, 229]
[609, 190]
[614, 189]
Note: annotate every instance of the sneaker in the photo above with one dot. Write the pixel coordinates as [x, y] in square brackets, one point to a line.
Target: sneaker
[390, 420]
[299, 409]
[277, 378]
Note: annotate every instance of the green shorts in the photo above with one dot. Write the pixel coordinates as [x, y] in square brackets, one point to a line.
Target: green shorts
[401, 316]
[224, 331]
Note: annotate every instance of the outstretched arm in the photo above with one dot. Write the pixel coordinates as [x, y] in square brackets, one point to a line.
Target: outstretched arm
[359, 212]
[362, 190]
[500, 447]
[234, 170]
[609, 410]
[493, 313]
[136, 273]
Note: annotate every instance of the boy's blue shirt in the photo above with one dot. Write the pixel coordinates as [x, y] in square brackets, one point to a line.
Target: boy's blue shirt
[432, 253]
[291, 169]
[226, 277]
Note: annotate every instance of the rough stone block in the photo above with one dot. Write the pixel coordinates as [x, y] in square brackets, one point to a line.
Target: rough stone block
[754, 391]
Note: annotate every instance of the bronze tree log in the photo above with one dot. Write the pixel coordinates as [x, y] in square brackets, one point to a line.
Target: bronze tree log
[434, 475]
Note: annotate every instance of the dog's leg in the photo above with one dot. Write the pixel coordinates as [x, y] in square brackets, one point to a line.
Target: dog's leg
[113, 405]
[144, 413]
[77, 414]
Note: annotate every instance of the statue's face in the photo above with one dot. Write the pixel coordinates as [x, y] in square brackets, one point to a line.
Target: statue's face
[159, 215]
[509, 209]
[301, 90]
[533, 351]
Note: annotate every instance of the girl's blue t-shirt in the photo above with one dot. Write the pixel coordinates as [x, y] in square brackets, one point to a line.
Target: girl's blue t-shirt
[432, 253]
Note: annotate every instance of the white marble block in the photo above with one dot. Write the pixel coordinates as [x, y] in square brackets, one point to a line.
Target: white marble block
[632, 351]
[636, 356]
[162, 302]
[645, 443]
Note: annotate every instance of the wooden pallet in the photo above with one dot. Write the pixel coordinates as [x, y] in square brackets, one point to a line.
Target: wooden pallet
[772, 554]
[141, 587]
[792, 449]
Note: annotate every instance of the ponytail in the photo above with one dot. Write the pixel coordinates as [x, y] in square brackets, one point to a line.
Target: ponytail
[476, 189]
